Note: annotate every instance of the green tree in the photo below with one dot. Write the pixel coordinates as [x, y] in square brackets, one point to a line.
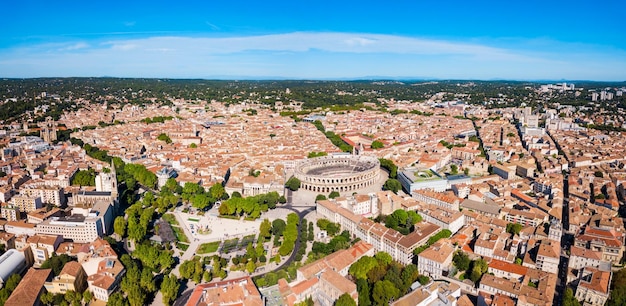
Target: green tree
[136, 296]
[363, 288]
[119, 226]
[377, 144]
[384, 258]
[384, 291]
[461, 260]
[117, 299]
[278, 227]
[333, 195]
[320, 197]
[393, 185]
[87, 296]
[218, 192]
[265, 229]
[514, 228]
[250, 267]
[293, 183]
[84, 178]
[454, 169]
[193, 145]
[345, 300]
[569, 299]
[164, 137]
[362, 266]
[147, 281]
[169, 289]
[618, 289]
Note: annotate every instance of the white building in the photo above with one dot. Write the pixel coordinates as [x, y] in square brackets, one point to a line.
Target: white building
[84, 225]
[11, 262]
[436, 260]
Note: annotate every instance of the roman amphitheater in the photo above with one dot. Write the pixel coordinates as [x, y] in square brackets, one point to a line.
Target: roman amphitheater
[338, 173]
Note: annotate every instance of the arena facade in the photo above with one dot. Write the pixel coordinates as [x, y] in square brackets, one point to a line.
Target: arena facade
[339, 172]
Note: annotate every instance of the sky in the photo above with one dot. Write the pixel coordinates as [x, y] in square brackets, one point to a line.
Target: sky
[484, 40]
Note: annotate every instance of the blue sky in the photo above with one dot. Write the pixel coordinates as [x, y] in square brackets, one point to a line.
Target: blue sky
[526, 40]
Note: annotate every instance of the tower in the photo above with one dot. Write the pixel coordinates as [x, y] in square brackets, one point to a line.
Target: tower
[48, 130]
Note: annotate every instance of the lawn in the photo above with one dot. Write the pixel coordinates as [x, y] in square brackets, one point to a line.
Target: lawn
[206, 248]
[171, 219]
[182, 246]
[193, 219]
[180, 234]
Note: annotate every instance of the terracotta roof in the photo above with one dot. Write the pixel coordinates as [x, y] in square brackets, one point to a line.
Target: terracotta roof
[72, 268]
[28, 290]
[507, 267]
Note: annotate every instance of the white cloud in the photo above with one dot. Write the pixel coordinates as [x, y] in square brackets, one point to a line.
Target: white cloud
[313, 55]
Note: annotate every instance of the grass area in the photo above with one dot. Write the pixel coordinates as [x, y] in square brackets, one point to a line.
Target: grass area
[193, 219]
[462, 276]
[206, 248]
[182, 246]
[171, 219]
[180, 234]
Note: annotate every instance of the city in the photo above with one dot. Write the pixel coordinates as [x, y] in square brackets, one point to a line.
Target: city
[327, 153]
[170, 199]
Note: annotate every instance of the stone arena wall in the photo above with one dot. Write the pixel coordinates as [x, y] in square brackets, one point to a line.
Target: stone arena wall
[338, 173]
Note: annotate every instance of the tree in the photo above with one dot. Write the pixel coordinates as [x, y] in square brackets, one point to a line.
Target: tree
[265, 228]
[333, 194]
[461, 260]
[513, 228]
[169, 289]
[361, 267]
[278, 227]
[136, 296]
[84, 178]
[569, 299]
[119, 226]
[293, 183]
[282, 199]
[117, 299]
[193, 145]
[320, 197]
[384, 258]
[345, 300]
[363, 288]
[250, 267]
[618, 289]
[393, 185]
[384, 291]
[164, 137]
[218, 192]
[377, 144]
[147, 281]
[454, 169]
[87, 296]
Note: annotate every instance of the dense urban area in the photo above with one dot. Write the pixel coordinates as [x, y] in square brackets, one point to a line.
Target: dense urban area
[204, 192]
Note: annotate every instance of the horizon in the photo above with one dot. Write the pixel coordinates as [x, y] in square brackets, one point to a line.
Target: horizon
[292, 41]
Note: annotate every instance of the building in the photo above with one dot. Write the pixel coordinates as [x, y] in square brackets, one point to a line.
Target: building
[11, 262]
[84, 225]
[436, 261]
[49, 194]
[325, 279]
[165, 174]
[10, 212]
[445, 200]
[107, 278]
[48, 130]
[239, 291]
[414, 179]
[30, 288]
[43, 246]
[593, 287]
[72, 277]
[435, 293]
[26, 203]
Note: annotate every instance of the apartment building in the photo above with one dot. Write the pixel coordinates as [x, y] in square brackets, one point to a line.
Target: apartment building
[48, 194]
[593, 287]
[84, 225]
[43, 246]
[436, 261]
[399, 246]
[26, 203]
[72, 277]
